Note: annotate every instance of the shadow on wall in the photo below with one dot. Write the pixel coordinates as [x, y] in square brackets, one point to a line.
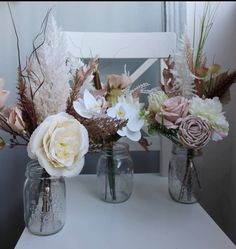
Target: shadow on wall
[13, 165]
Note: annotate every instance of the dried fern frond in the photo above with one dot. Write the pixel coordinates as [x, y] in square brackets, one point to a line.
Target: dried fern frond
[26, 104]
[81, 75]
[101, 130]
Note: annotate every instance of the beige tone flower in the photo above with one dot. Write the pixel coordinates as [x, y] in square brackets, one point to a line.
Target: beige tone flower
[115, 81]
[3, 94]
[115, 85]
[172, 112]
[155, 100]
[15, 119]
[59, 143]
[194, 132]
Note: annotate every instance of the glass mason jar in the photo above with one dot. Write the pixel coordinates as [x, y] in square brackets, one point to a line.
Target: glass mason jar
[183, 177]
[115, 174]
[44, 201]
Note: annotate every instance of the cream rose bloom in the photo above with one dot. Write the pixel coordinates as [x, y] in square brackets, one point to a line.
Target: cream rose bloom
[210, 110]
[59, 143]
[155, 100]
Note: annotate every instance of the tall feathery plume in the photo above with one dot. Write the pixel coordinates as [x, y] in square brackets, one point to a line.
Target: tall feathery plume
[49, 79]
[184, 78]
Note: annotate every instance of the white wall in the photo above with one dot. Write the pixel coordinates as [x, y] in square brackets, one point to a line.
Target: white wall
[71, 16]
[218, 165]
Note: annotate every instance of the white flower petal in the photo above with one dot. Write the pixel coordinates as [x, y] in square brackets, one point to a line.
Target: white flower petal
[81, 110]
[45, 163]
[111, 112]
[135, 124]
[89, 100]
[36, 139]
[84, 140]
[75, 170]
[122, 132]
[134, 136]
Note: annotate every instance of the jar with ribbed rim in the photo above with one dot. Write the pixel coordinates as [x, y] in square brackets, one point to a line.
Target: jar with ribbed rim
[44, 201]
[183, 177]
[115, 173]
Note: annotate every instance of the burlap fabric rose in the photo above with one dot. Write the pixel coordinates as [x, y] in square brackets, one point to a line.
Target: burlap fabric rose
[194, 133]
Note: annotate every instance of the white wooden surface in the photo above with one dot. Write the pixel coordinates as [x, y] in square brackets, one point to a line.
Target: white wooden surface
[148, 220]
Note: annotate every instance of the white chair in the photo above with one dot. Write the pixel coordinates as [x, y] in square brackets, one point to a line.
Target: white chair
[151, 46]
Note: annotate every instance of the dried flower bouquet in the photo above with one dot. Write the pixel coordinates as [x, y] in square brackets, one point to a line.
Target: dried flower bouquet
[188, 109]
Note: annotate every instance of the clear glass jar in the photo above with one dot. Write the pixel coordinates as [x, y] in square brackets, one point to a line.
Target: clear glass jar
[183, 179]
[44, 201]
[115, 174]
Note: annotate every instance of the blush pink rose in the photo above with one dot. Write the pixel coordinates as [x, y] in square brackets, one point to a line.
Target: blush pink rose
[172, 112]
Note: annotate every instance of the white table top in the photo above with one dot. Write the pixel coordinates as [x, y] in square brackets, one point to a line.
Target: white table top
[149, 219]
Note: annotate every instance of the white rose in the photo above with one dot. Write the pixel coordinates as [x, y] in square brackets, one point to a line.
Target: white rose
[210, 110]
[155, 101]
[59, 143]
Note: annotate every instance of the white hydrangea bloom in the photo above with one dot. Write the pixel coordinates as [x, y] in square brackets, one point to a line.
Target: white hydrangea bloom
[52, 96]
[211, 111]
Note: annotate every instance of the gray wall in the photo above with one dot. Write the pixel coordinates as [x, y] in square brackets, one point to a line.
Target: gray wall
[218, 165]
[71, 16]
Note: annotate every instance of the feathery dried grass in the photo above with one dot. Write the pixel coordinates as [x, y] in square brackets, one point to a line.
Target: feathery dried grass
[102, 130]
[221, 85]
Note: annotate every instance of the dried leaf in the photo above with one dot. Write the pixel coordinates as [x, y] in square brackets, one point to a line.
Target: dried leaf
[225, 98]
[221, 85]
[144, 143]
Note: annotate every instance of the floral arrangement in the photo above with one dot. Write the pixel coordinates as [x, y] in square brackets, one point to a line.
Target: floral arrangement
[63, 109]
[188, 107]
[39, 119]
[109, 110]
